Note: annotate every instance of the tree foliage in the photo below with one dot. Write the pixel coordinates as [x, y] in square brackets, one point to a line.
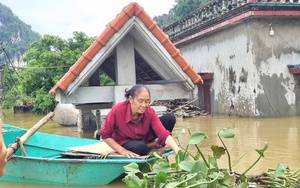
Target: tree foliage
[184, 7]
[178, 11]
[47, 61]
[165, 19]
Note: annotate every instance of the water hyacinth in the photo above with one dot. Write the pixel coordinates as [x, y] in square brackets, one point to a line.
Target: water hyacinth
[194, 170]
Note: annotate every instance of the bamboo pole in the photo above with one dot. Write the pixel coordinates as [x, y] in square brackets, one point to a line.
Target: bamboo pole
[14, 146]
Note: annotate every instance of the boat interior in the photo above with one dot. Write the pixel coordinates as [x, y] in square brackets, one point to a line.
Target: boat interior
[51, 146]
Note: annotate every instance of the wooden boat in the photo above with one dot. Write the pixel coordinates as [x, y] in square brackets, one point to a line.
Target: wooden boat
[53, 159]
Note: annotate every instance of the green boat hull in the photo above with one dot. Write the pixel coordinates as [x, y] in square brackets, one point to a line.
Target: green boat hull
[44, 163]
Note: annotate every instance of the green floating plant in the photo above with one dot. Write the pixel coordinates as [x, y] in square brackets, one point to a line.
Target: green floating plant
[226, 133]
[281, 177]
[193, 170]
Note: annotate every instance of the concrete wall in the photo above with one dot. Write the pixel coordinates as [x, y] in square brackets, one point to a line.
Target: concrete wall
[251, 78]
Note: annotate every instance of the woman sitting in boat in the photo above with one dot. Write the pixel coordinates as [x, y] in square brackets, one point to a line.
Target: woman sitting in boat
[2, 152]
[132, 127]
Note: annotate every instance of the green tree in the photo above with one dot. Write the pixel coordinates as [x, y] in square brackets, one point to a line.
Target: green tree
[11, 95]
[47, 61]
[184, 7]
[164, 19]
[178, 11]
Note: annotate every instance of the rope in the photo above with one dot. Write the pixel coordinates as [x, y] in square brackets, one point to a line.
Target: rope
[16, 146]
[20, 143]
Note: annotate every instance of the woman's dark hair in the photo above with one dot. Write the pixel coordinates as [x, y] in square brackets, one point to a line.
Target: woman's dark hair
[135, 90]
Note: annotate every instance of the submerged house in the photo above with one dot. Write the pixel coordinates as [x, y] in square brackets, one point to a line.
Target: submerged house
[131, 50]
[248, 54]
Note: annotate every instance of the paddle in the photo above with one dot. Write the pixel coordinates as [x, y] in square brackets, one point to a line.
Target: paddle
[14, 146]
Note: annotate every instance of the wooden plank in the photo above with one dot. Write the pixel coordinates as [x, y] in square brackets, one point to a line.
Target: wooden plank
[100, 148]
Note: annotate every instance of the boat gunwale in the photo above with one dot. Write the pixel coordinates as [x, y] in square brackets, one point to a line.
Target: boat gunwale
[102, 160]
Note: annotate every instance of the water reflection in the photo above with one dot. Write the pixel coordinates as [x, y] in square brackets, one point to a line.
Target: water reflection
[281, 134]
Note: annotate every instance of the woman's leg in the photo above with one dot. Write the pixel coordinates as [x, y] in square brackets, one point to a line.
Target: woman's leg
[138, 147]
[168, 120]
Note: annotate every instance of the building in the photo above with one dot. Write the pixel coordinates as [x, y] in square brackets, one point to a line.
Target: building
[131, 50]
[247, 52]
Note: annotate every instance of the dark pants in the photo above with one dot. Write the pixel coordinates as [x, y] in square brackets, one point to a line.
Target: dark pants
[139, 147]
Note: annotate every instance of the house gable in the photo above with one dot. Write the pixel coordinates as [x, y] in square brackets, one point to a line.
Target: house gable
[132, 27]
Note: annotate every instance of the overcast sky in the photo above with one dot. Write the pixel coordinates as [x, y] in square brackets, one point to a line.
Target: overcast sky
[62, 17]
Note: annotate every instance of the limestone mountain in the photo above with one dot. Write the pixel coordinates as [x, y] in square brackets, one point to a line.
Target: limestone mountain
[15, 36]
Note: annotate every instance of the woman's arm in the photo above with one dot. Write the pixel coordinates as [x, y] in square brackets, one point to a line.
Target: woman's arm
[170, 142]
[119, 149]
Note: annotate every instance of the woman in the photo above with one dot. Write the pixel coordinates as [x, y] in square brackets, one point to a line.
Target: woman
[2, 152]
[132, 127]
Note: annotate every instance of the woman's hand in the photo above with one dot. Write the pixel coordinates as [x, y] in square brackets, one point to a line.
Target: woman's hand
[119, 149]
[128, 153]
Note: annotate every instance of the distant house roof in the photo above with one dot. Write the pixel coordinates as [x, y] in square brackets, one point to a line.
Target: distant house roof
[133, 10]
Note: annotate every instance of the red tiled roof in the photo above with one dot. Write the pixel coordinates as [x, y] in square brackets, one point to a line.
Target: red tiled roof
[133, 9]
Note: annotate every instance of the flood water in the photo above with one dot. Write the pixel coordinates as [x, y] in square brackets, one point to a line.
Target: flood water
[281, 135]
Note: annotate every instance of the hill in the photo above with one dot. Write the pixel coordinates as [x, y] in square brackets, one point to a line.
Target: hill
[15, 36]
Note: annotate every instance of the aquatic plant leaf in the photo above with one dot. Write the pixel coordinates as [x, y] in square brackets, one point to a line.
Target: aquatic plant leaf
[174, 165]
[226, 179]
[213, 161]
[218, 175]
[243, 178]
[218, 151]
[261, 151]
[199, 166]
[181, 156]
[132, 180]
[279, 172]
[132, 167]
[191, 179]
[197, 156]
[144, 183]
[171, 184]
[212, 170]
[186, 165]
[161, 177]
[212, 185]
[158, 167]
[197, 137]
[157, 155]
[191, 182]
[227, 133]
[243, 185]
[180, 133]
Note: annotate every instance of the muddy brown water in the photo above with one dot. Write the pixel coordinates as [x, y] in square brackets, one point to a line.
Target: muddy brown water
[281, 135]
